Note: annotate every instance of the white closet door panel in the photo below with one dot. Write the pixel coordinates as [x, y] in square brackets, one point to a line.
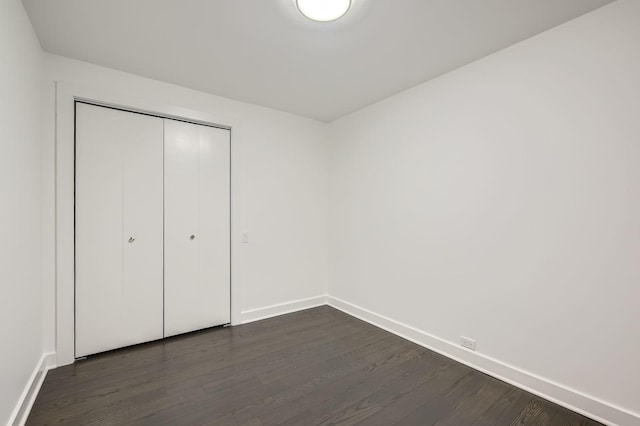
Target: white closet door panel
[98, 230]
[181, 221]
[143, 222]
[118, 193]
[197, 275]
[215, 243]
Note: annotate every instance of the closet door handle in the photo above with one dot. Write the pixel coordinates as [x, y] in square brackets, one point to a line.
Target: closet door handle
[131, 239]
[192, 237]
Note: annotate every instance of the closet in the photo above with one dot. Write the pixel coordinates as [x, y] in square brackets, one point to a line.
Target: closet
[152, 228]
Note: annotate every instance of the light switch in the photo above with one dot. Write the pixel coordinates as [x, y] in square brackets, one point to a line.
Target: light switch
[245, 237]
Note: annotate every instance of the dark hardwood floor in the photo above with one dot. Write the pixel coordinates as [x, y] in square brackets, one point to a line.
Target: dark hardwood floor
[318, 366]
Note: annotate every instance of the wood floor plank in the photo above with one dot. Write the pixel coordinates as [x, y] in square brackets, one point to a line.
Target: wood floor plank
[505, 409]
[314, 367]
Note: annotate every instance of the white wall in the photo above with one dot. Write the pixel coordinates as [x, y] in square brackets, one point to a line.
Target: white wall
[283, 186]
[20, 189]
[502, 202]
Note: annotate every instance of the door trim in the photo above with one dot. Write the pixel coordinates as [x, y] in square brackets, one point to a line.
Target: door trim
[66, 96]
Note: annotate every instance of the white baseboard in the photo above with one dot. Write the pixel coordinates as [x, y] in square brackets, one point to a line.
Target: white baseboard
[30, 392]
[572, 399]
[281, 309]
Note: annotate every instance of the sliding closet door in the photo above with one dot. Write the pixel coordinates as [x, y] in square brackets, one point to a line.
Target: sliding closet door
[119, 250]
[197, 216]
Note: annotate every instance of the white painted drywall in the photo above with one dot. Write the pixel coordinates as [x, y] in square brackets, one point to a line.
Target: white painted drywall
[283, 186]
[20, 111]
[501, 202]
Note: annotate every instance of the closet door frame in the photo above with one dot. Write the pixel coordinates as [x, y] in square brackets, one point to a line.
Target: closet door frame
[64, 293]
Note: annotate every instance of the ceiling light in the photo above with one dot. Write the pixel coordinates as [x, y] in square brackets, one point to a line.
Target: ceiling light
[323, 10]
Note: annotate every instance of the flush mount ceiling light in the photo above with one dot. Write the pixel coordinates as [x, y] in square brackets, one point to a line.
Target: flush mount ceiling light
[323, 10]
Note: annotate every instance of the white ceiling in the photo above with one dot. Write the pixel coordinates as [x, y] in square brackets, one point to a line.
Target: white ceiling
[266, 53]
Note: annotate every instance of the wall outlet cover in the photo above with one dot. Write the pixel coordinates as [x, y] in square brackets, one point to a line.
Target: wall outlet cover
[468, 343]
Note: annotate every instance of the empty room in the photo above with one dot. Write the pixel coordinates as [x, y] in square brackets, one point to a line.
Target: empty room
[320, 212]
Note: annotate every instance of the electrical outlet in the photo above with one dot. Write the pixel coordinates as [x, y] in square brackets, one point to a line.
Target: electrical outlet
[468, 343]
